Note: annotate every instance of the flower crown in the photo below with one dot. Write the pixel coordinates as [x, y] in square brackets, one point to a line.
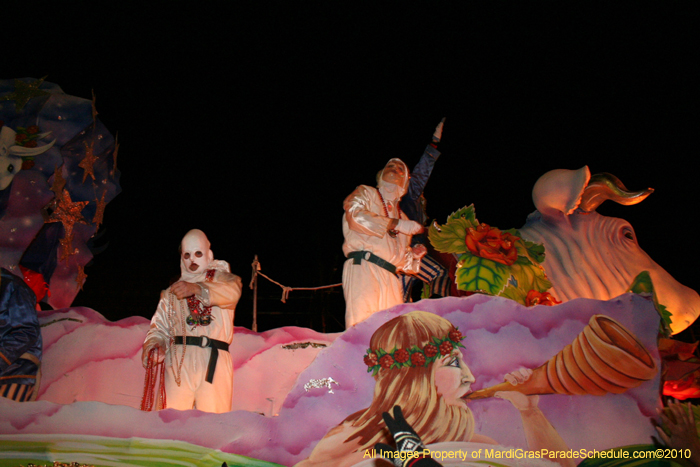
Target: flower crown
[414, 356]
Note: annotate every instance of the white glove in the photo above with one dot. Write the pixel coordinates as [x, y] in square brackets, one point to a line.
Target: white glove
[409, 227]
[437, 135]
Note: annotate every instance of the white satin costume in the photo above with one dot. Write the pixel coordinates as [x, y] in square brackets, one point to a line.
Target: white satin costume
[367, 287]
[222, 294]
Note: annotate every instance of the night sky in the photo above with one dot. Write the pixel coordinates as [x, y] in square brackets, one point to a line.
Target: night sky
[253, 123]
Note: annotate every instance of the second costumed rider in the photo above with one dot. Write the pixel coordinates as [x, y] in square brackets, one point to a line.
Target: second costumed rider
[377, 244]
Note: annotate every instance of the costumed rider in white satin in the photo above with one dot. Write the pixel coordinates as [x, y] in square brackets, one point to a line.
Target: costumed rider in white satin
[193, 325]
[377, 244]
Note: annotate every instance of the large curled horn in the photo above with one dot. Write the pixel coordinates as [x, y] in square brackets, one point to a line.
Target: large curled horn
[606, 186]
[22, 151]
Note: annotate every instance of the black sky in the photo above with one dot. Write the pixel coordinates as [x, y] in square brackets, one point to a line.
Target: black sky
[253, 122]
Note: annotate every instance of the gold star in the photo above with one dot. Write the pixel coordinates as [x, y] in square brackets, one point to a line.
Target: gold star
[67, 249]
[80, 280]
[99, 212]
[58, 181]
[24, 92]
[88, 161]
[68, 213]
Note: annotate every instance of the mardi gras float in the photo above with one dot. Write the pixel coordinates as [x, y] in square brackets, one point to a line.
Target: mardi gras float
[593, 351]
[57, 174]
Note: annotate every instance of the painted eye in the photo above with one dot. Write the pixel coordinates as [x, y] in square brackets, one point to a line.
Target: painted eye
[198, 254]
[10, 168]
[186, 256]
[628, 233]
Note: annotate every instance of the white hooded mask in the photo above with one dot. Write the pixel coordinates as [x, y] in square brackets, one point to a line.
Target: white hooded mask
[394, 191]
[195, 256]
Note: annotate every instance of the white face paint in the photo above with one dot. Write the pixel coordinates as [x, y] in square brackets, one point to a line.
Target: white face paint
[196, 253]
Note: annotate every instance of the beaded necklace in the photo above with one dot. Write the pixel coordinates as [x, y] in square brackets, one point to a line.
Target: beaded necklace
[173, 357]
[393, 232]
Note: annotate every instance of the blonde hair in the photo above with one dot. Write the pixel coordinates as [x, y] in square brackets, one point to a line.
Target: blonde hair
[413, 388]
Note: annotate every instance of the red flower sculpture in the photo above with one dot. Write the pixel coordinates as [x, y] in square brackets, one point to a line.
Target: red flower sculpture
[540, 298]
[683, 389]
[491, 243]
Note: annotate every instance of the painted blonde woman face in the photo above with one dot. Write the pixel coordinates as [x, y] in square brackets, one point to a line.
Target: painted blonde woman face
[453, 378]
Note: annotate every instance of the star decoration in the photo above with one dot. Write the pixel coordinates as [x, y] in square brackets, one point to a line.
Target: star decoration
[80, 280]
[58, 181]
[68, 213]
[88, 161]
[67, 249]
[99, 212]
[24, 92]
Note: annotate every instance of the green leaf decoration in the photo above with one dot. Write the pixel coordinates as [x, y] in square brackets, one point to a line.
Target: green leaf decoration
[642, 285]
[450, 238]
[425, 293]
[467, 213]
[523, 260]
[533, 251]
[476, 274]
[530, 277]
[514, 293]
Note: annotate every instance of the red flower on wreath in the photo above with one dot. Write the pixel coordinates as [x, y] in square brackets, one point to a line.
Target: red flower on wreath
[371, 359]
[490, 243]
[455, 335]
[386, 361]
[401, 356]
[19, 137]
[446, 347]
[32, 130]
[417, 359]
[540, 298]
[430, 350]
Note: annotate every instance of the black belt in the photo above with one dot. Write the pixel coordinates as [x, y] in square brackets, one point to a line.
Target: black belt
[205, 342]
[358, 256]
